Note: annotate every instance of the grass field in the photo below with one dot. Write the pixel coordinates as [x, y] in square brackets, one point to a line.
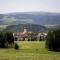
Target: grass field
[29, 51]
[3, 27]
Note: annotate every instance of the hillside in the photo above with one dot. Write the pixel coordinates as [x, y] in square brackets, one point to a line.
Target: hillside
[35, 21]
[30, 27]
[41, 18]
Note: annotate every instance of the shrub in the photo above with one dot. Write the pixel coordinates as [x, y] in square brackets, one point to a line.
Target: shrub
[16, 46]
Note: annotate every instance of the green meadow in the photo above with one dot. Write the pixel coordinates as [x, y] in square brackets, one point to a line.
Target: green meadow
[29, 50]
[3, 27]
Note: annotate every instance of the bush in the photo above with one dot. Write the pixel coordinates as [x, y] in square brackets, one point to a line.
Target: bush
[53, 40]
[16, 46]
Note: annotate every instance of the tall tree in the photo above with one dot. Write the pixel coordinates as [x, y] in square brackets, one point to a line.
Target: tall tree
[53, 40]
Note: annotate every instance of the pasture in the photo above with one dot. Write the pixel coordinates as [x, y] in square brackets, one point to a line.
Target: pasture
[32, 50]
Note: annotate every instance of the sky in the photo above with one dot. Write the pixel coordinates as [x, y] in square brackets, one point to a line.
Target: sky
[7, 6]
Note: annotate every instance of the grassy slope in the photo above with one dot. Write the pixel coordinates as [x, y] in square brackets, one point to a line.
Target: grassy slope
[29, 51]
[3, 27]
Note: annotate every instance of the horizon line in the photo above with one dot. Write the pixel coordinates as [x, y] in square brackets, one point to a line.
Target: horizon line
[26, 12]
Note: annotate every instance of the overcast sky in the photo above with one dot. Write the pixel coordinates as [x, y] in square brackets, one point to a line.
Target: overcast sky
[29, 5]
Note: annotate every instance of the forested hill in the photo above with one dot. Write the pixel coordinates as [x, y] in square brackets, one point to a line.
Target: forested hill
[41, 18]
[30, 27]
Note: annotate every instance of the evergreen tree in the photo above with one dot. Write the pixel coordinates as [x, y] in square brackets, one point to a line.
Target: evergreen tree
[6, 39]
[53, 40]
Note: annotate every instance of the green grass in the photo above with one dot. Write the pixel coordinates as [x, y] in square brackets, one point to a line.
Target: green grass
[3, 27]
[29, 51]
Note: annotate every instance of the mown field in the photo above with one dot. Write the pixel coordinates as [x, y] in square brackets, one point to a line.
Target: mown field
[29, 51]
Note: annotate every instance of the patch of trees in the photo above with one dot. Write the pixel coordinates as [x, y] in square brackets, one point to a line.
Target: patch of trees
[6, 39]
[53, 40]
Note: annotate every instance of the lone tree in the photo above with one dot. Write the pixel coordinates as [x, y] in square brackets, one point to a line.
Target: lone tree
[53, 40]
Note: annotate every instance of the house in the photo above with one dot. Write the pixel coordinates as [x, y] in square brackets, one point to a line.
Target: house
[41, 36]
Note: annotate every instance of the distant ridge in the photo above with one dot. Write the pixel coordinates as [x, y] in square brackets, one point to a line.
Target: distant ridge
[40, 18]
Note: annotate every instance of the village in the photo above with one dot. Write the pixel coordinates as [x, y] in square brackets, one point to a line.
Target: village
[29, 36]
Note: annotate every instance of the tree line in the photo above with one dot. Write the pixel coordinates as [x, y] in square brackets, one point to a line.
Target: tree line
[53, 40]
[6, 39]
